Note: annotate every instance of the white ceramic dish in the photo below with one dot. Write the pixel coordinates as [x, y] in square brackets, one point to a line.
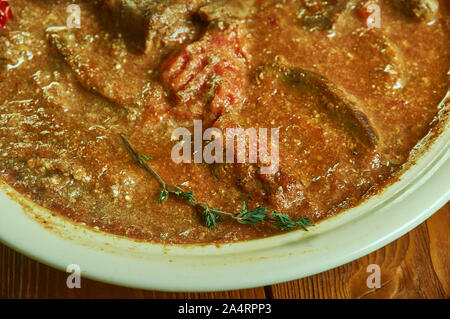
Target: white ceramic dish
[422, 189]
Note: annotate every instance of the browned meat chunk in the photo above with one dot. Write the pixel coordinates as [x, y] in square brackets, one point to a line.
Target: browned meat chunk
[329, 100]
[334, 103]
[101, 66]
[225, 12]
[385, 64]
[155, 24]
[420, 9]
[384, 73]
[131, 18]
[320, 15]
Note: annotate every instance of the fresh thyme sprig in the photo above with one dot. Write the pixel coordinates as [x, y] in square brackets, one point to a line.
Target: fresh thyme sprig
[212, 216]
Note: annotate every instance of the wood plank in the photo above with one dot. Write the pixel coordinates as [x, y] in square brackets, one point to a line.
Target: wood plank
[438, 230]
[414, 266]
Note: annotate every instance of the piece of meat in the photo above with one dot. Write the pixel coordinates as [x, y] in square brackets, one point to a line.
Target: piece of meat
[207, 78]
[384, 63]
[383, 73]
[131, 19]
[312, 112]
[57, 93]
[226, 12]
[424, 10]
[333, 102]
[102, 64]
[320, 15]
[152, 25]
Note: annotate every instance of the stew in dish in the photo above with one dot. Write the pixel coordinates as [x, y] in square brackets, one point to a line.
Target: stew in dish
[91, 93]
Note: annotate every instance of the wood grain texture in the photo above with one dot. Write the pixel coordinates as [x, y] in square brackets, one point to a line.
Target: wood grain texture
[415, 266]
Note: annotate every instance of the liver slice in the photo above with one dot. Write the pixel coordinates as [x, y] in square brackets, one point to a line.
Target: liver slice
[154, 24]
[337, 105]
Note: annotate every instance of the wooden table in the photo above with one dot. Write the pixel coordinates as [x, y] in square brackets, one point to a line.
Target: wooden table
[415, 266]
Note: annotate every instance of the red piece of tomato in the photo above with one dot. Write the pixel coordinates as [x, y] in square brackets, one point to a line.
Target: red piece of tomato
[5, 13]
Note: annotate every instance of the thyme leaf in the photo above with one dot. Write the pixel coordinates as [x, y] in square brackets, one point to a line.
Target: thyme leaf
[187, 196]
[211, 219]
[147, 158]
[285, 223]
[164, 195]
[258, 215]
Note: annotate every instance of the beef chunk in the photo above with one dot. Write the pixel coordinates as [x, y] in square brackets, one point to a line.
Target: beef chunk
[383, 74]
[225, 12]
[101, 65]
[63, 93]
[151, 25]
[419, 9]
[384, 61]
[131, 18]
[331, 101]
[320, 15]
